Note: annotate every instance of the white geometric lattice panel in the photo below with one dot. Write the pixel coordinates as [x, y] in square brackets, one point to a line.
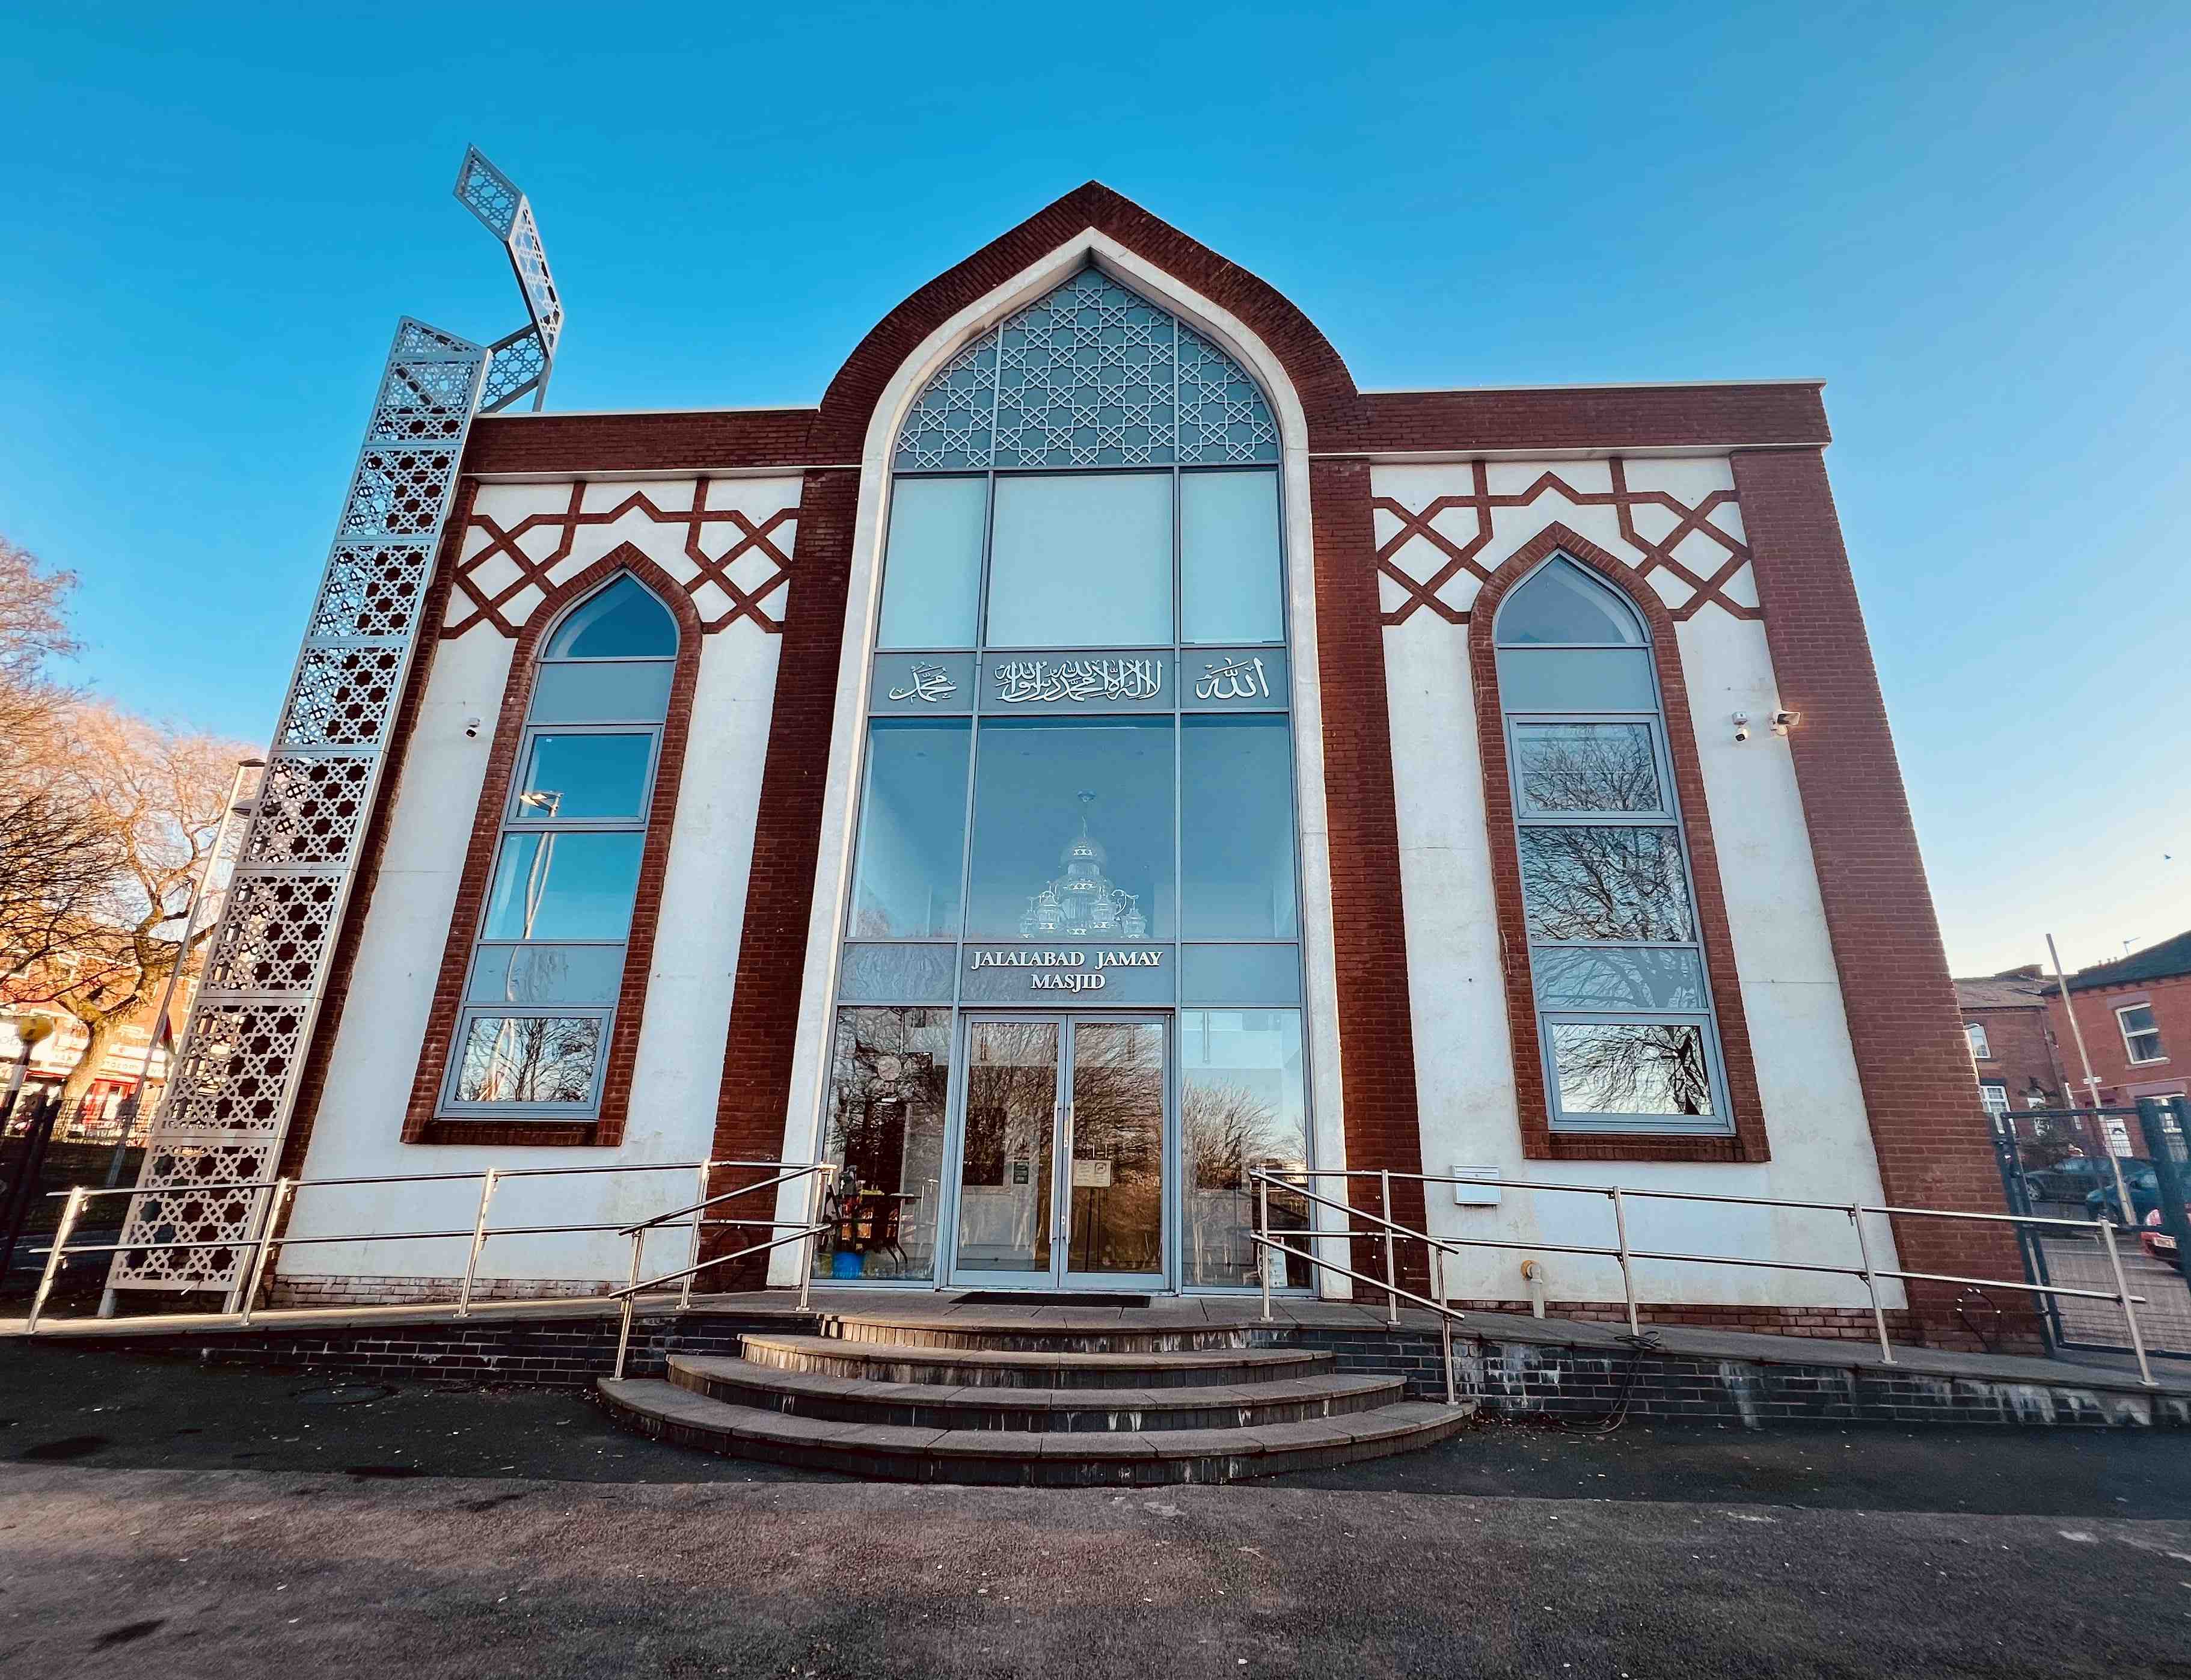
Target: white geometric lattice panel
[398, 491]
[371, 590]
[272, 932]
[345, 697]
[1090, 374]
[953, 423]
[235, 1066]
[1223, 415]
[310, 810]
[201, 1197]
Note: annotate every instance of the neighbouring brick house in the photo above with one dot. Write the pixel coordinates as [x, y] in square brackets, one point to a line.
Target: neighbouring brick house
[2012, 1039]
[1097, 751]
[2136, 1016]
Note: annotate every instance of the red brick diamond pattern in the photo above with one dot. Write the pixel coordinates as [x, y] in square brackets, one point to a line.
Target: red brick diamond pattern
[1416, 525]
[735, 533]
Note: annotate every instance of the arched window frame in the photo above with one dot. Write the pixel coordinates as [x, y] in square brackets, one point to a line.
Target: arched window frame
[432, 1118]
[1738, 1133]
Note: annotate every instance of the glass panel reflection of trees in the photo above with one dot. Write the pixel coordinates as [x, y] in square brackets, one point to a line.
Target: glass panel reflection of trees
[1243, 1105]
[1614, 953]
[889, 1077]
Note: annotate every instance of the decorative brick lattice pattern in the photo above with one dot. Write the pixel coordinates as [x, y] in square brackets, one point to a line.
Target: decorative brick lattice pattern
[728, 546]
[1436, 554]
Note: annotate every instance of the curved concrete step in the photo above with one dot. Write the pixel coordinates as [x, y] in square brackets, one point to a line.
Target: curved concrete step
[1058, 1330]
[1034, 1410]
[1018, 1458]
[1020, 1367]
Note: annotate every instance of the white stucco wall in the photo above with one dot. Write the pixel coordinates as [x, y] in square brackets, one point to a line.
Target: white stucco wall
[680, 1062]
[1814, 1117]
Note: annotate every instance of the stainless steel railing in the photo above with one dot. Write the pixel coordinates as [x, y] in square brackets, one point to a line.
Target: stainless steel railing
[1390, 1233]
[277, 1196]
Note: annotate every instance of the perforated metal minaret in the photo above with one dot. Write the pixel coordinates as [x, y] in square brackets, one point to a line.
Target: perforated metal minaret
[217, 1136]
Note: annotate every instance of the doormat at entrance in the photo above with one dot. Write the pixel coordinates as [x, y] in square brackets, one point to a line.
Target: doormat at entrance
[1036, 1298]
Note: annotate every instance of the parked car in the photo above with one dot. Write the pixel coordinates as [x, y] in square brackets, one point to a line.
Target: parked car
[2103, 1202]
[2075, 1177]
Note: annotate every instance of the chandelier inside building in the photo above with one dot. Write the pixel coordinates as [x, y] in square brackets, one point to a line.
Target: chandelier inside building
[1082, 904]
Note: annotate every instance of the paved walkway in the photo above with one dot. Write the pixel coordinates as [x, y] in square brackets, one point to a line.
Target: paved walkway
[157, 1516]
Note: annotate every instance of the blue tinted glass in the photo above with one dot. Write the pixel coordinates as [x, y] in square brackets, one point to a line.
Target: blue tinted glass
[567, 776]
[1229, 574]
[1239, 974]
[622, 622]
[896, 974]
[564, 887]
[1073, 831]
[1237, 829]
[637, 692]
[1563, 605]
[1618, 978]
[546, 974]
[932, 569]
[1081, 560]
[912, 829]
[1576, 680]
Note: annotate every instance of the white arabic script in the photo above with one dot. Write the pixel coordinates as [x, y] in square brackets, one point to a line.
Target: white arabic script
[1240, 679]
[929, 682]
[1021, 681]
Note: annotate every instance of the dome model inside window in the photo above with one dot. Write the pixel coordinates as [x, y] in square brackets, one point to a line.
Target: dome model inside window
[1082, 904]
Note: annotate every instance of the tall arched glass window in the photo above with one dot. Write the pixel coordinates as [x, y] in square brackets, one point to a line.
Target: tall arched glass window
[541, 993]
[1077, 802]
[1623, 1007]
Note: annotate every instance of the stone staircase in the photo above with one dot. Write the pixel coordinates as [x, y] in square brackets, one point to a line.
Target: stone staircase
[1047, 1398]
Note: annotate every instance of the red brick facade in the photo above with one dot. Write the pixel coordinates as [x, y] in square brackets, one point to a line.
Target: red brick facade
[1928, 1126]
[2019, 1054]
[2122, 1079]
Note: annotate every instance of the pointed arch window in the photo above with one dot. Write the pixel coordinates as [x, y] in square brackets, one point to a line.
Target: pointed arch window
[547, 966]
[1626, 1020]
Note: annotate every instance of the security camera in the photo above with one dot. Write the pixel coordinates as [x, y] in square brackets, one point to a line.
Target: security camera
[471, 729]
[1785, 721]
[1742, 725]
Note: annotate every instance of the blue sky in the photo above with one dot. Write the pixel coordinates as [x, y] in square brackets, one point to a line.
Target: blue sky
[1971, 221]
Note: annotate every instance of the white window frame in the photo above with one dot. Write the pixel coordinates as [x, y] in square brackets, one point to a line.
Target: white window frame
[2152, 1031]
[1993, 1093]
[1981, 1046]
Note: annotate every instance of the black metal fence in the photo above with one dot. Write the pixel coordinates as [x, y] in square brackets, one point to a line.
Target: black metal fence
[2129, 1166]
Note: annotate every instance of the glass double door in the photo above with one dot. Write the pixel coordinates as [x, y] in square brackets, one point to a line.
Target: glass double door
[1061, 1157]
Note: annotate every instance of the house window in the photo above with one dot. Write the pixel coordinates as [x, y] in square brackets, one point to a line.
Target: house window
[1996, 1096]
[1976, 1032]
[1625, 1020]
[541, 992]
[2141, 1036]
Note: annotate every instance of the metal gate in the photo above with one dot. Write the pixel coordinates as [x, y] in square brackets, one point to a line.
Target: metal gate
[2127, 1165]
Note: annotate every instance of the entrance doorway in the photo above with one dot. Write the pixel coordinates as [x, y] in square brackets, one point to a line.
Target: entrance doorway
[1063, 1143]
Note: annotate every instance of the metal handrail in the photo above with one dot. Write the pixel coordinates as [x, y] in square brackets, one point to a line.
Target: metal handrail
[262, 1239]
[1392, 1232]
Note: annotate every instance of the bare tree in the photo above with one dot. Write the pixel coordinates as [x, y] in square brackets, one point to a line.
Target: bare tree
[56, 857]
[155, 797]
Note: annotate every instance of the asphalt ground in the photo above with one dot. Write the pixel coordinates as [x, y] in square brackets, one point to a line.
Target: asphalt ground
[160, 1519]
